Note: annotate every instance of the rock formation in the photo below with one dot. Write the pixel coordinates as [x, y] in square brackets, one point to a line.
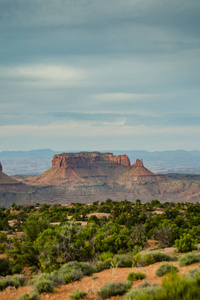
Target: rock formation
[90, 176]
[89, 160]
[92, 169]
[5, 179]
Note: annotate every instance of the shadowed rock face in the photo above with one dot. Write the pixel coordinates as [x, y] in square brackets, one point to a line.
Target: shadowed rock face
[1, 169]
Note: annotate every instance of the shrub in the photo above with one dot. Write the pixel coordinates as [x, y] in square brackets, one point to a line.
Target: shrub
[44, 286]
[100, 265]
[16, 281]
[73, 275]
[192, 274]
[105, 255]
[135, 276]
[145, 293]
[186, 243]
[4, 267]
[150, 258]
[176, 287]
[87, 268]
[27, 296]
[78, 294]
[113, 289]
[123, 261]
[188, 259]
[145, 260]
[166, 268]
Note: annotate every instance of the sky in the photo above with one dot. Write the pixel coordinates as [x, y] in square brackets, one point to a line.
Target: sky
[94, 75]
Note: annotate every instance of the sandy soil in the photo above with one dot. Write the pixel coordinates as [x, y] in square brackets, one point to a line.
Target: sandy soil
[92, 285]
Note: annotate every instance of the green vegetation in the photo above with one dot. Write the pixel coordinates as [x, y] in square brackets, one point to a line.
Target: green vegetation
[151, 258]
[15, 281]
[113, 289]
[49, 239]
[166, 268]
[188, 259]
[133, 276]
[78, 294]
[186, 243]
[173, 287]
[27, 296]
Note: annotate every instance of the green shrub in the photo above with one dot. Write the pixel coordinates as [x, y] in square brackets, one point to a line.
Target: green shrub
[105, 255]
[150, 258]
[166, 268]
[5, 267]
[135, 276]
[176, 287]
[145, 260]
[123, 261]
[15, 281]
[113, 289]
[145, 293]
[87, 268]
[78, 294]
[73, 275]
[188, 259]
[192, 274]
[186, 243]
[27, 296]
[100, 265]
[173, 288]
[44, 286]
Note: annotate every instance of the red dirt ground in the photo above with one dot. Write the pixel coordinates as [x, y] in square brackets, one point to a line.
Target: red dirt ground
[92, 285]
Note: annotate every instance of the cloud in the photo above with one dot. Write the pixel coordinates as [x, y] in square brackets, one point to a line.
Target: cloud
[119, 97]
[86, 129]
[42, 75]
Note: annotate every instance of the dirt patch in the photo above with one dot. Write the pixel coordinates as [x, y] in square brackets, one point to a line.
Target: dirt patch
[92, 285]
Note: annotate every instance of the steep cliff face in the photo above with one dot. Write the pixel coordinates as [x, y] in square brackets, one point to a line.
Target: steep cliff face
[89, 160]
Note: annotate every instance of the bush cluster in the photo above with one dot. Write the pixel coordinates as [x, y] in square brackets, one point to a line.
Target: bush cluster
[133, 276]
[27, 296]
[78, 294]
[151, 258]
[173, 287]
[188, 259]
[15, 281]
[113, 289]
[166, 268]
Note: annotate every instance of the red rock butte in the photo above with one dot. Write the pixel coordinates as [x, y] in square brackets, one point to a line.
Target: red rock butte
[93, 168]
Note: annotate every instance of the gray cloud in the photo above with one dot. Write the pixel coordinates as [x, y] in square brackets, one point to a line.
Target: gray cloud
[100, 64]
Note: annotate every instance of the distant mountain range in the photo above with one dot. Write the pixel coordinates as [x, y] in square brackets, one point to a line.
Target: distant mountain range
[35, 162]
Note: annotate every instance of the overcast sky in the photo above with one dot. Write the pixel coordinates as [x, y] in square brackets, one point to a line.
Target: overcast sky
[99, 74]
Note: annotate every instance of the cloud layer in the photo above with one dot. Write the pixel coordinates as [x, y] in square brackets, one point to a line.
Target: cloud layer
[94, 75]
